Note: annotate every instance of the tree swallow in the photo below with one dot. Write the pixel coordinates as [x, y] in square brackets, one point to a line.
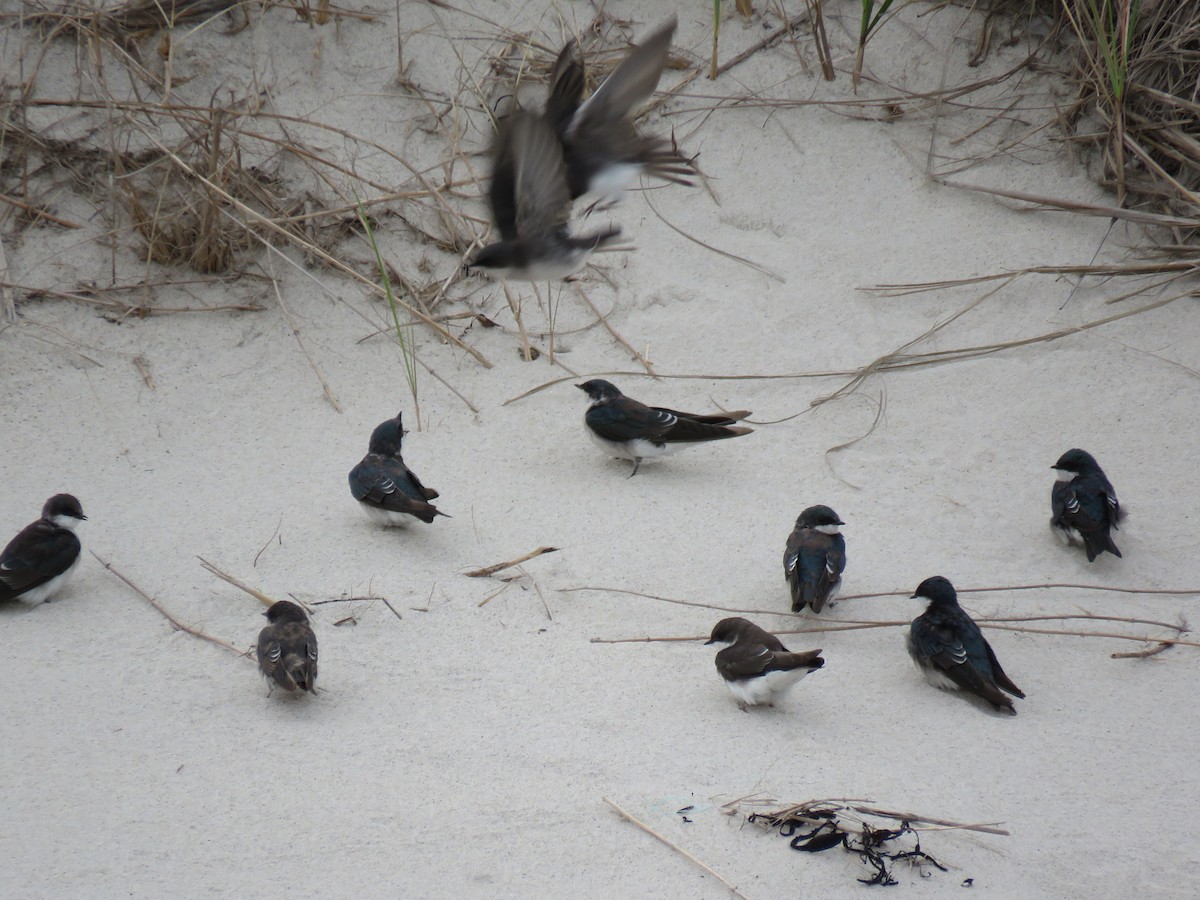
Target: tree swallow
[287, 648]
[386, 488]
[757, 668]
[42, 557]
[951, 651]
[1084, 503]
[604, 153]
[531, 206]
[622, 427]
[815, 558]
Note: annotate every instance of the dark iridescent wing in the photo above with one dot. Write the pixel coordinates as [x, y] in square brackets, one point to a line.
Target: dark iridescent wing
[388, 484]
[1112, 506]
[1062, 497]
[631, 83]
[1087, 505]
[751, 660]
[566, 89]
[998, 676]
[729, 418]
[936, 642]
[624, 419]
[502, 193]
[744, 660]
[542, 200]
[813, 564]
[40, 552]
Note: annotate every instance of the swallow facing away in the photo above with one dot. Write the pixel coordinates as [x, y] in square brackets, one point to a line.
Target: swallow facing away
[603, 151]
[287, 648]
[388, 491]
[625, 428]
[951, 651]
[531, 206]
[1084, 504]
[39, 561]
[815, 558]
[755, 665]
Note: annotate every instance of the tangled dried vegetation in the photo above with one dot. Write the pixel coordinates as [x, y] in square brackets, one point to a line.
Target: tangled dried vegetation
[208, 185]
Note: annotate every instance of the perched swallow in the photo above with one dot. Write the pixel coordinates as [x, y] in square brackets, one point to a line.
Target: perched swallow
[531, 206]
[603, 151]
[951, 651]
[287, 648]
[622, 427]
[1084, 503]
[815, 558]
[757, 668]
[385, 487]
[42, 557]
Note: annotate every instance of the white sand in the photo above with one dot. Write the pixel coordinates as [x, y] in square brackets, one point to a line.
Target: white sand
[464, 750]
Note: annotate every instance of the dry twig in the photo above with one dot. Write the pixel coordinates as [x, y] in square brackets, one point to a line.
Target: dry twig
[650, 831]
[497, 567]
[189, 629]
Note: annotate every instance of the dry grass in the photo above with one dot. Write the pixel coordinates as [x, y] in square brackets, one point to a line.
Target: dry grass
[211, 183]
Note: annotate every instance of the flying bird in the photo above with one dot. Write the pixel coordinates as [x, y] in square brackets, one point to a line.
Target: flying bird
[39, 561]
[755, 665]
[815, 558]
[951, 651]
[1084, 504]
[604, 153]
[287, 648]
[388, 490]
[531, 206]
[542, 162]
[625, 428]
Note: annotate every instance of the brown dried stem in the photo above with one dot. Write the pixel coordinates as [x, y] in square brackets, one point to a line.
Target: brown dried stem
[182, 626]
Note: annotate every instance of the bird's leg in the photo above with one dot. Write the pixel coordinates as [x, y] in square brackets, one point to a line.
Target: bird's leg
[637, 461]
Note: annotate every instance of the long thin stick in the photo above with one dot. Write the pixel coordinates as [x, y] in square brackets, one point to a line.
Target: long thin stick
[616, 335]
[194, 632]
[650, 831]
[987, 827]
[262, 598]
[6, 294]
[497, 567]
[1145, 639]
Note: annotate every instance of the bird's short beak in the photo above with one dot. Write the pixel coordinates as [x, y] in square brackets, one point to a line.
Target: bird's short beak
[581, 387]
[914, 596]
[82, 516]
[706, 643]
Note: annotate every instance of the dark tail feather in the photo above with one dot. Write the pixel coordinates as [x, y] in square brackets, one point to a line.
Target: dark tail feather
[691, 430]
[598, 239]
[809, 659]
[426, 512]
[664, 160]
[729, 418]
[798, 600]
[1096, 542]
[1004, 682]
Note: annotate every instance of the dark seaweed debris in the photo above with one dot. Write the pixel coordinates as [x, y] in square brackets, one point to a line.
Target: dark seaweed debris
[861, 839]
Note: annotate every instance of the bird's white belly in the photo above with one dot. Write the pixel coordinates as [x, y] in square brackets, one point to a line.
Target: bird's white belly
[1067, 535]
[385, 516]
[612, 182]
[635, 449]
[939, 680]
[765, 688]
